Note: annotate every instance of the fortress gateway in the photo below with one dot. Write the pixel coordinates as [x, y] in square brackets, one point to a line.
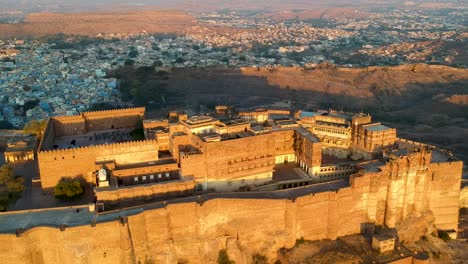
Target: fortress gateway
[356, 170]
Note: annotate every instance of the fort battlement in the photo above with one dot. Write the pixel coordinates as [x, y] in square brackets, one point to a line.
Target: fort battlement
[81, 161]
[101, 147]
[57, 159]
[115, 112]
[69, 119]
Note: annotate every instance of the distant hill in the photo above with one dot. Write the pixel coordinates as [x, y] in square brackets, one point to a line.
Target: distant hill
[321, 13]
[91, 24]
[425, 102]
[28, 6]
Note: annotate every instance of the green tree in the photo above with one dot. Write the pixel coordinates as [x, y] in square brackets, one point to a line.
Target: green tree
[69, 188]
[259, 259]
[15, 185]
[8, 179]
[6, 173]
[225, 60]
[35, 127]
[129, 62]
[180, 60]
[133, 53]
[157, 63]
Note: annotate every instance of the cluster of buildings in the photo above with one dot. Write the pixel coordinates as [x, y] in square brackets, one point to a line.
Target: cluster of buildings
[268, 35]
[262, 150]
[40, 81]
[405, 35]
[17, 146]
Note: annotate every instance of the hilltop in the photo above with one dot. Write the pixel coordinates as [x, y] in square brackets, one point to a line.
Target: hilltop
[91, 24]
[324, 13]
[425, 102]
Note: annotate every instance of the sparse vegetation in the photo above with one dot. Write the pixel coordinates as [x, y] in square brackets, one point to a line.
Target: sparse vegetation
[35, 127]
[223, 257]
[300, 241]
[259, 259]
[11, 186]
[443, 235]
[69, 189]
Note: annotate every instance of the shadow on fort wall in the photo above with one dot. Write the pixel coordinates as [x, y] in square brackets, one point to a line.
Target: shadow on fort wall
[410, 98]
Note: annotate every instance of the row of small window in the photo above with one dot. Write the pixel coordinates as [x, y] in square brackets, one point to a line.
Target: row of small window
[151, 177]
[331, 131]
[252, 166]
[249, 159]
[229, 183]
[336, 168]
[334, 175]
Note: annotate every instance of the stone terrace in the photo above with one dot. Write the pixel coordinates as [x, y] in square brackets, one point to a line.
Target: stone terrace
[93, 138]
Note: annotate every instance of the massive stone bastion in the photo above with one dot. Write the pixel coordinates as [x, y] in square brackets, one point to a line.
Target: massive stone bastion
[194, 229]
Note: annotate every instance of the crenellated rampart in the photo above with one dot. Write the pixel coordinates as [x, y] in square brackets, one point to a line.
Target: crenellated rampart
[80, 162]
[98, 120]
[116, 112]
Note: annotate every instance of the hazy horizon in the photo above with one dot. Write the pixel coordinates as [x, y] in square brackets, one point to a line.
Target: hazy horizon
[202, 5]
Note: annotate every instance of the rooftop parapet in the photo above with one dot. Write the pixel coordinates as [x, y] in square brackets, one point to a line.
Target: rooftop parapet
[126, 144]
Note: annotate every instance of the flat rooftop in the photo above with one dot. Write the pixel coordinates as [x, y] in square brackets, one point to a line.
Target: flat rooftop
[339, 115]
[376, 127]
[23, 143]
[307, 134]
[371, 166]
[93, 138]
[195, 120]
[332, 160]
[286, 172]
[332, 124]
[305, 114]
[438, 155]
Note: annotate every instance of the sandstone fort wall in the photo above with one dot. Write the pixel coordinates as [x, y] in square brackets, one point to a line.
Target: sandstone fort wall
[144, 192]
[196, 231]
[444, 190]
[55, 164]
[193, 232]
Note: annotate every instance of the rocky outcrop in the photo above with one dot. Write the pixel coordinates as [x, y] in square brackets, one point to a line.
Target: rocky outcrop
[416, 226]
